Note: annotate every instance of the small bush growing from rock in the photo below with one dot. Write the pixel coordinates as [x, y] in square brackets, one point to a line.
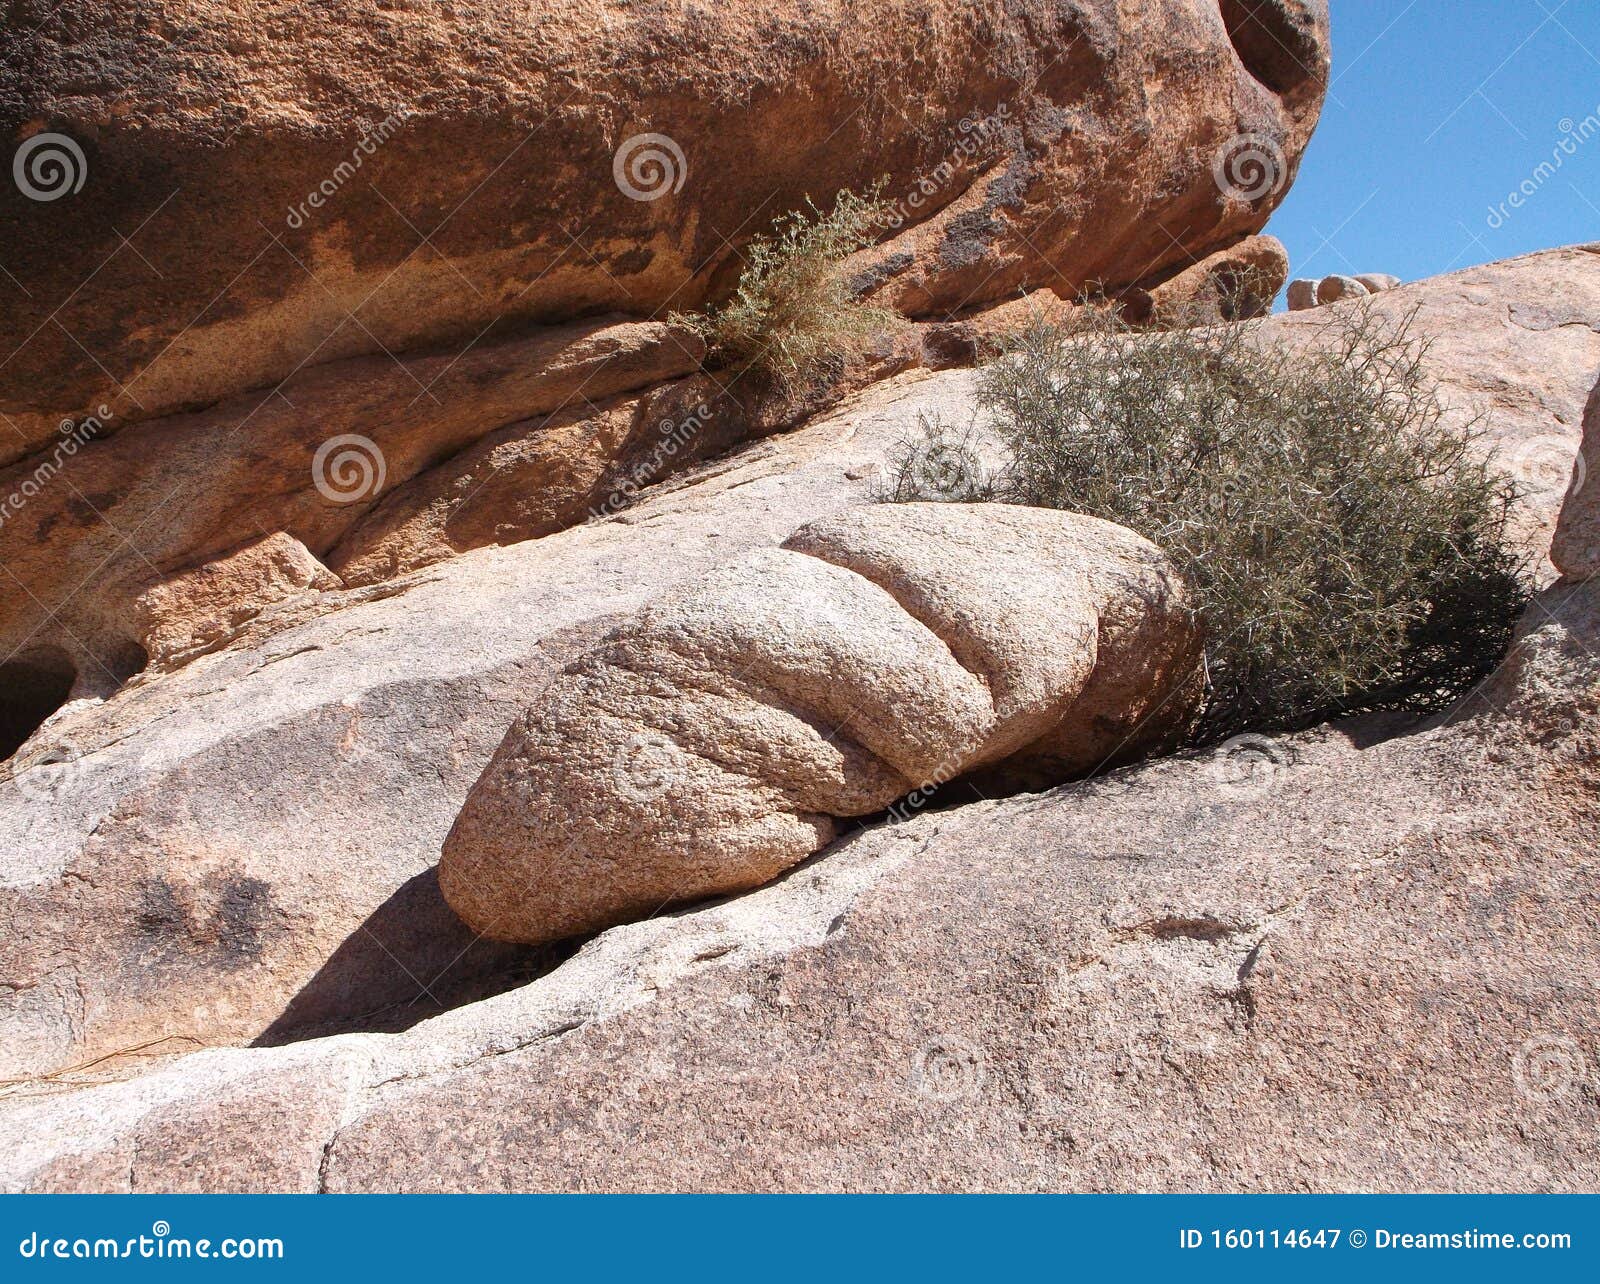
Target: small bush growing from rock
[794, 312]
[1346, 544]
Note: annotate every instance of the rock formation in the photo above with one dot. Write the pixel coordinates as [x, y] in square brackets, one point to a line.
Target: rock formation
[241, 849]
[1236, 284]
[301, 184]
[1304, 294]
[1361, 957]
[713, 741]
[349, 423]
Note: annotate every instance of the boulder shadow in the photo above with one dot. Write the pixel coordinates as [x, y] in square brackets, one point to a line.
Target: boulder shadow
[411, 959]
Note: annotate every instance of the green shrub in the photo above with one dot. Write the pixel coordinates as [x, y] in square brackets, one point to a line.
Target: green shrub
[794, 314]
[1346, 545]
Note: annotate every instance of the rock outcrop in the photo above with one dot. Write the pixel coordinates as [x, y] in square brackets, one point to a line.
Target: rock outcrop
[1236, 284]
[181, 615]
[1356, 958]
[241, 194]
[312, 462]
[1575, 546]
[716, 739]
[1304, 294]
[241, 850]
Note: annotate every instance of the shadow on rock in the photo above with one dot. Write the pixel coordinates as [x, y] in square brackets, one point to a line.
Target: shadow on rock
[411, 959]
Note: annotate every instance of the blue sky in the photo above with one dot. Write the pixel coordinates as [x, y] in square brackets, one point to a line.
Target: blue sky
[1437, 111]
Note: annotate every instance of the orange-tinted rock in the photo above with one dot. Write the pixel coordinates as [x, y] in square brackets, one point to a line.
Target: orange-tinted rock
[300, 183]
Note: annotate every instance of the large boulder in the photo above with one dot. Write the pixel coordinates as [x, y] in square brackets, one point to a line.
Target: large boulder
[1302, 295]
[212, 197]
[1339, 289]
[1235, 284]
[714, 741]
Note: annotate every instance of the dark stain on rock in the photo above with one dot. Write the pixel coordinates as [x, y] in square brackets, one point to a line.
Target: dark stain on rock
[226, 916]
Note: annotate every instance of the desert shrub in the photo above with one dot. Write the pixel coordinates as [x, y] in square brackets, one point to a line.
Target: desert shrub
[1344, 540]
[794, 312]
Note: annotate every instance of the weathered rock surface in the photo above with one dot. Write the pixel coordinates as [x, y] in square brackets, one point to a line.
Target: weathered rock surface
[246, 845]
[200, 609]
[293, 184]
[1575, 546]
[1235, 284]
[716, 739]
[242, 850]
[1338, 289]
[1302, 295]
[312, 461]
[1338, 961]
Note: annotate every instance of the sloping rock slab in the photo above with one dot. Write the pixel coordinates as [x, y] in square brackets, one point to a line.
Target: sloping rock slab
[243, 849]
[1325, 963]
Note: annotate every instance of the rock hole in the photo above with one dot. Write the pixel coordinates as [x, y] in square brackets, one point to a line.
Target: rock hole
[1276, 42]
[32, 687]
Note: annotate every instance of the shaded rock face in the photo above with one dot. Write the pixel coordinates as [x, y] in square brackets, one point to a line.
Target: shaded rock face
[311, 461]
[298, 184]
[326, 749]
[1575, 548]
[1235, 284]
[712, 742]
